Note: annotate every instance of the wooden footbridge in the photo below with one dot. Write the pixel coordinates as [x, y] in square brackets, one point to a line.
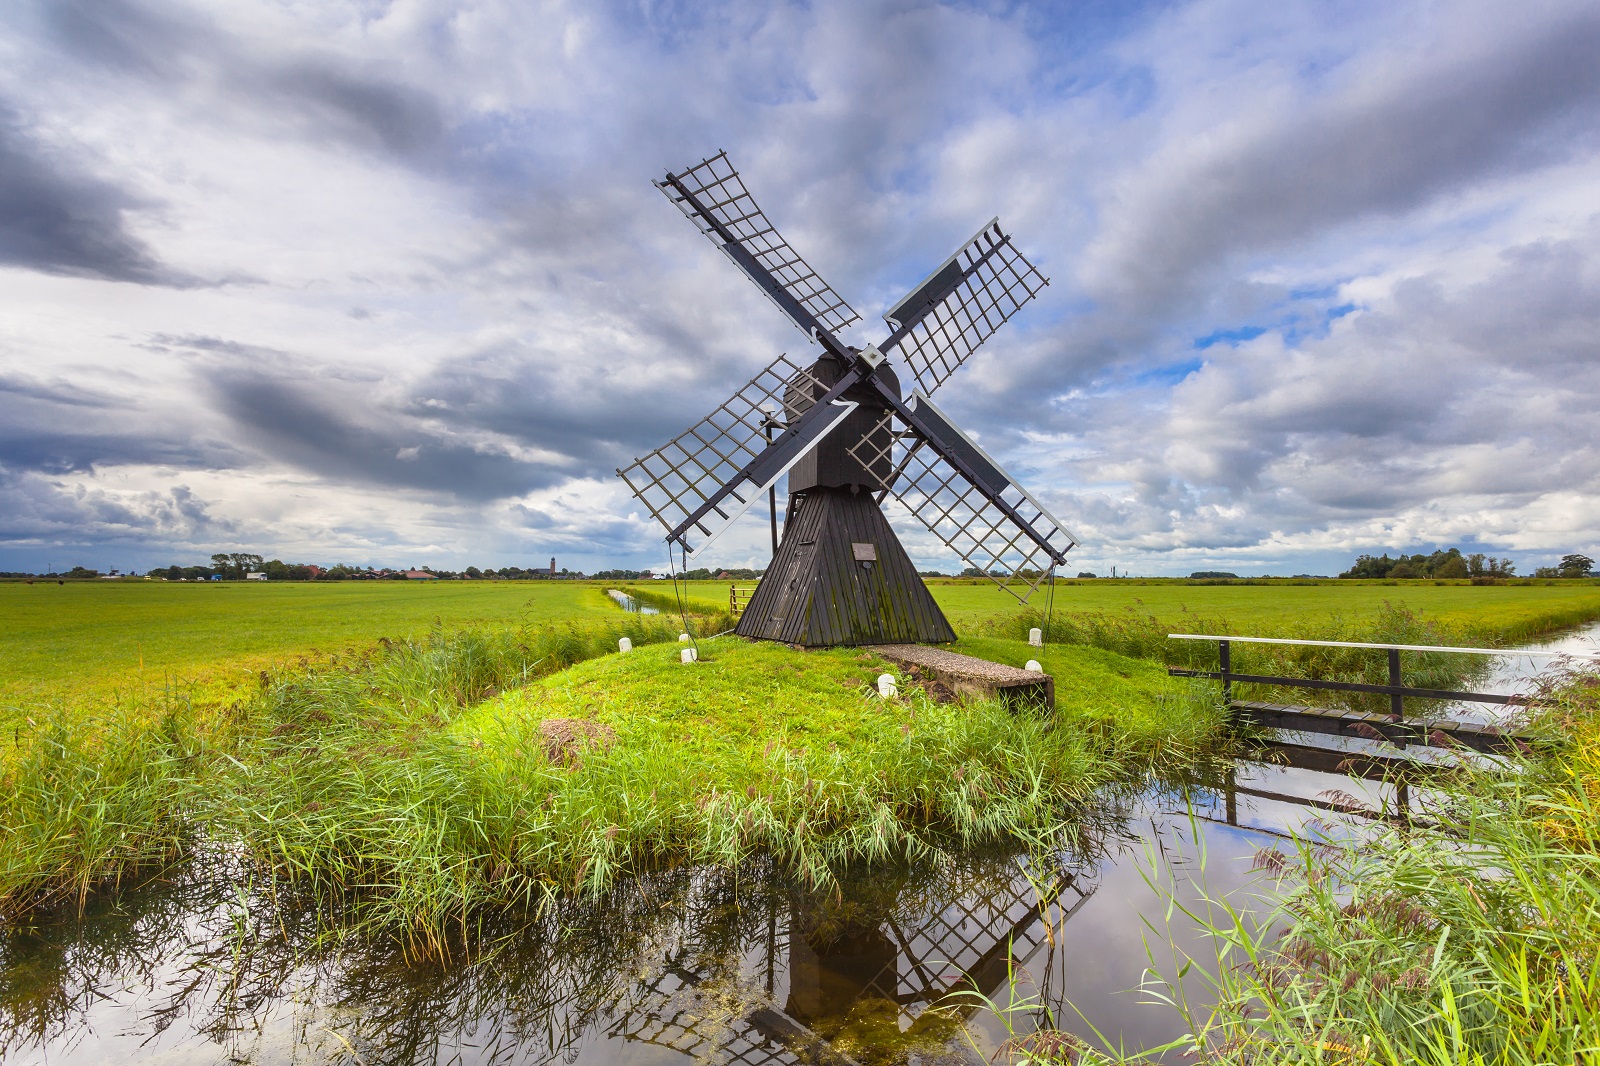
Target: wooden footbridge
[1392, 726]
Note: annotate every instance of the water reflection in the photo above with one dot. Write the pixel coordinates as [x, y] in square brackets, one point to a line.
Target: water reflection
[1525, 673]
[629, 603]
[681, 964]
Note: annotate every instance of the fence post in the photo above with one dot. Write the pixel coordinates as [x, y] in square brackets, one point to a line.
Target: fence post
[1225, 658]
[1397, 702]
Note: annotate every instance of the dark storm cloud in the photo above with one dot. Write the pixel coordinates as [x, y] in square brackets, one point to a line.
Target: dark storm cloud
[59, 427]
[317, 429]
[57, 219]
[376, 113]
[321, 95]
[39, 508]
[599, 418]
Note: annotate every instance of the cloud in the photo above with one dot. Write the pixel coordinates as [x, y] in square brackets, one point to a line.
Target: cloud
[350, 433]
[53, 513]
[305, 86]
[58, 427]
[57, 218]
[1320, 283]
[1389, 135]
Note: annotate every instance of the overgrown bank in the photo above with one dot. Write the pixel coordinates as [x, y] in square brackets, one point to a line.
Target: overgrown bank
[416, 778]
[91, 792]
[423, 784]
[1471, 937]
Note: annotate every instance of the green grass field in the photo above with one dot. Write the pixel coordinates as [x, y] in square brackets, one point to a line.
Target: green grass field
[85, 638]
[60, 639]
[1277, 610]
[384, 735]
[1257, 610]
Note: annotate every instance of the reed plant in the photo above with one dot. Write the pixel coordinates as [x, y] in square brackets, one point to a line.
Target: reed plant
[91, 797]
[87, 800]
[1475, 940]
[390, 787]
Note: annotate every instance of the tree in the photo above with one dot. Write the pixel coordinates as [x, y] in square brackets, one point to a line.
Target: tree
[1452, 568]
[1371, 566]
[1404, 569]
[1576, 566]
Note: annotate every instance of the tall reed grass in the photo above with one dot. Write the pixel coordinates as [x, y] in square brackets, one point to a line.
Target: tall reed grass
[370, 787]
[88, 799]
[1474, 941]
[85, 801]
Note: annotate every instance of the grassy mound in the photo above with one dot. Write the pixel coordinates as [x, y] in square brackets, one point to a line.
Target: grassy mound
[435, 810]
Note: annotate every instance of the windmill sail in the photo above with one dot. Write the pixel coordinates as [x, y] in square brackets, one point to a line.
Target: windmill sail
[941, 322]
[714, 470]
[714, 198]
[988, 518]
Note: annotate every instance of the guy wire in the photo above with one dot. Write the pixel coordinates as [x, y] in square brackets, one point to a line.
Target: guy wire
[1049, 603]
[683, 613]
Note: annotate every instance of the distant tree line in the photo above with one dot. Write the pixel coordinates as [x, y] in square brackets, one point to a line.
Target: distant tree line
[1451, 563]
[704, 573]
[1570, 566]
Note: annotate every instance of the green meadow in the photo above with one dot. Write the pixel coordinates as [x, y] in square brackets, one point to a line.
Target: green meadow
[87, 639]
[387, 747]
[100, 635]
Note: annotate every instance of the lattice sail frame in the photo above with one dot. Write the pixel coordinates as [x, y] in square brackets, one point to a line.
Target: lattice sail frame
[720, 190]
[960, 515]
[971, 933]
[998, 281]
[984, 929]
[675, 479]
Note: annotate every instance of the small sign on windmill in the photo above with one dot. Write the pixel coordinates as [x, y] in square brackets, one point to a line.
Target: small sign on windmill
[850, 439]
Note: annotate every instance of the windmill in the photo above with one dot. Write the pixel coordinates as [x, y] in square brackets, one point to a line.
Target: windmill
[850, 439]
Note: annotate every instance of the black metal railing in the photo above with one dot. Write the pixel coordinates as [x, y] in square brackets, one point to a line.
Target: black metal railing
[1391, 727]
[1396, 689]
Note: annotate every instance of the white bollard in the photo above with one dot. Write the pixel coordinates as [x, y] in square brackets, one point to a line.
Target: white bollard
[886, 686]
[1036, 637]
[689, 655]
[624, 645]
[683, 638]
[1033, 664]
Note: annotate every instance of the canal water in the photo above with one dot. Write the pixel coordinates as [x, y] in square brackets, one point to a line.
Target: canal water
[688, 965]
[698, 965]
[629, 603]
[1522, 673]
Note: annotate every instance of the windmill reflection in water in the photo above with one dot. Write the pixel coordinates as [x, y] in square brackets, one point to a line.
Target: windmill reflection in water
[828, 963]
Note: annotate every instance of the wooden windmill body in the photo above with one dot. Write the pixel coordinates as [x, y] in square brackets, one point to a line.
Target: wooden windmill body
[841, 575]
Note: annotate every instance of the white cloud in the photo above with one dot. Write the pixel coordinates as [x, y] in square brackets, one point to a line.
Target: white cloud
[394, 280]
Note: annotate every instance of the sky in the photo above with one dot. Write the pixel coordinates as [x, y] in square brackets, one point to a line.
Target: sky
[388, 283]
